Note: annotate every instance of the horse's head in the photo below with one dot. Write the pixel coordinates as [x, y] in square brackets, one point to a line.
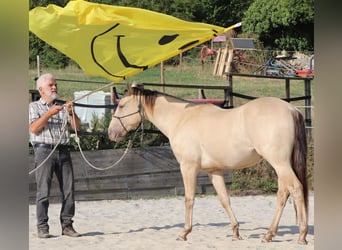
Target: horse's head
[127, 115]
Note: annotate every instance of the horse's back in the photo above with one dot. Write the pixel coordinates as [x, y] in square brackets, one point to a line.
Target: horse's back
[268, 102]
[267, 111]
[257, 115]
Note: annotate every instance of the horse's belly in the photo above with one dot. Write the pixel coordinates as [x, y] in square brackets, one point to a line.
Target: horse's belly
[237, 160]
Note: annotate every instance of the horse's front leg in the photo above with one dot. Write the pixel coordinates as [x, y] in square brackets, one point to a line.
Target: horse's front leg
[189, 174]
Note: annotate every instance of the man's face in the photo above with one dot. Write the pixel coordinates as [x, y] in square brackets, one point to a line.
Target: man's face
[48, 89]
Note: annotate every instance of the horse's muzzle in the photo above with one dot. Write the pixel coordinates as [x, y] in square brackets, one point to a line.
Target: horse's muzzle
[115, 136]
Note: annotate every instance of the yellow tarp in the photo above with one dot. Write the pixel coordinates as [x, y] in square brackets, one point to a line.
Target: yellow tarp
[113, 41]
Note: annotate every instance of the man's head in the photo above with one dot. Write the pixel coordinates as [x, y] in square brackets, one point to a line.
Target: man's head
[47, 86]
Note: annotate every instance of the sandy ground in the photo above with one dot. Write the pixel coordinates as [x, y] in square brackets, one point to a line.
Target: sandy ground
[155, 224]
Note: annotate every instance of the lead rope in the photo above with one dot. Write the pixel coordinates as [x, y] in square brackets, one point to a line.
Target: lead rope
[77, 139]
[129, 145]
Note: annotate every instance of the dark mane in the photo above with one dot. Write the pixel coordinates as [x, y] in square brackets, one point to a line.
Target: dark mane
[149, 96]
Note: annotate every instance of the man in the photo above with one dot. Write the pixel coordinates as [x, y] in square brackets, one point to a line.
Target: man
[47, 129]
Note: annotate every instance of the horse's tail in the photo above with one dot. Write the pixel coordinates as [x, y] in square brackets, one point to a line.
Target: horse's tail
[299, 153]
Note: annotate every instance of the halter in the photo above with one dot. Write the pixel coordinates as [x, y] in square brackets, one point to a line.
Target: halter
[140, 111]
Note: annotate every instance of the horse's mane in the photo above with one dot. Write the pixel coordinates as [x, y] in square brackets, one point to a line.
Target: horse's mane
[149, 96]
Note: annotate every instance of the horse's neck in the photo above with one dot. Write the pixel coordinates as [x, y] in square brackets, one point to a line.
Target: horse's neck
[166, 114]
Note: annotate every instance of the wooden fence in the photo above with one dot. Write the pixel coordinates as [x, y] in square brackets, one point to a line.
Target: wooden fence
[149, 172]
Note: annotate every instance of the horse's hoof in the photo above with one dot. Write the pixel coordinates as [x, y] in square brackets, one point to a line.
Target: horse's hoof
[265, 240]
[237, 238]
[302, 242]
[181, 238]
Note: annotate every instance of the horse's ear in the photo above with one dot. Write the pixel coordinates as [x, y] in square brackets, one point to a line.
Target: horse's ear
[136, 85]
[129, 89]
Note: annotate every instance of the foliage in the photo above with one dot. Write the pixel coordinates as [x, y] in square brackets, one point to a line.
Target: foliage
[260, 177]
[220, 12]
[96, 139]
[282, 24]
[49, 56]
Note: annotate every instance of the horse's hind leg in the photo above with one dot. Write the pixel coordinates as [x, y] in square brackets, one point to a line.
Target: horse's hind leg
[221, 190]
[288, 184]
[282, 197]
[296, 190]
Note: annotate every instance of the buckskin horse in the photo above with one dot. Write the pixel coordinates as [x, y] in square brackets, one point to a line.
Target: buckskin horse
[205, 137]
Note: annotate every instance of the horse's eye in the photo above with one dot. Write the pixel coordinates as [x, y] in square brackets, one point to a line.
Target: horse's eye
[120, 106]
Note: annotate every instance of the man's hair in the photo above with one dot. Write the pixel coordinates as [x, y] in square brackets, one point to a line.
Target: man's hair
[42, 78]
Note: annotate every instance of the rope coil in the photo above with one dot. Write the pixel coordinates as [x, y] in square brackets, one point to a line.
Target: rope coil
[77, 139]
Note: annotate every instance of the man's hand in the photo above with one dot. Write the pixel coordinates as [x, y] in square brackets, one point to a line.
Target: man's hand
[69, 106]
[75, 121]
[54, 109]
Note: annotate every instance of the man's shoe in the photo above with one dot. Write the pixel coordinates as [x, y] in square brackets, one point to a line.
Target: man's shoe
[43, 233]
[70, 231]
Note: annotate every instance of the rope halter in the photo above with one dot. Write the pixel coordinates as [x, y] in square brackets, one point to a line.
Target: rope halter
[140, 111]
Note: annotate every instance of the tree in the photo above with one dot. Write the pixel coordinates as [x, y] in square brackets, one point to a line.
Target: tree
[220, 12]
[282, 24]
[49, 56]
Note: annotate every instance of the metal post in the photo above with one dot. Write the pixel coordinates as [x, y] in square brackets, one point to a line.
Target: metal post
[162, 76]
[307, 89]
[230, 90]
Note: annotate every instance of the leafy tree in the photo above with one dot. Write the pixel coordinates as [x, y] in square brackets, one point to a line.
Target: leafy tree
[49, 56]
[282, 24]
[35, 3]
[220, 12]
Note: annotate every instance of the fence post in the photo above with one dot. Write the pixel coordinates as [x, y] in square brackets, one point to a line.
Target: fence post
[287, 89]
[113, 97]
[38, 70]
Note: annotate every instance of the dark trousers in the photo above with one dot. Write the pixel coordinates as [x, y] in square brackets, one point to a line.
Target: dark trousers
[60, 164]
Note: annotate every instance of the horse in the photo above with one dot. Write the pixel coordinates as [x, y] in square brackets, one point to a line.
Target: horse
[205, 137]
